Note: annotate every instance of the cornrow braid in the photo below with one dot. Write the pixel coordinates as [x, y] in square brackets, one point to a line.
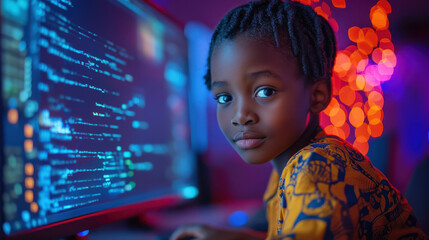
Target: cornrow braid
[308, 35]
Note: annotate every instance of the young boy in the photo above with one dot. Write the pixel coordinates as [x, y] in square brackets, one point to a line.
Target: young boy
[269, 68]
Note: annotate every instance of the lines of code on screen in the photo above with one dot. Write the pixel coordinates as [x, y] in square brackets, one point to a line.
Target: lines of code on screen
[94, 109]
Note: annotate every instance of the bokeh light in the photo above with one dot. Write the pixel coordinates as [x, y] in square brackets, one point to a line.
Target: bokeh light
[339, 3]
[355, 112]
[12, 116]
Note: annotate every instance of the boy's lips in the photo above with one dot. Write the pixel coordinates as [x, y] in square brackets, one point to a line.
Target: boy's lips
[248, 140]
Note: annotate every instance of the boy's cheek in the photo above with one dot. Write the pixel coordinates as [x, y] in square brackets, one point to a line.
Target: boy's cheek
[225, 130]
[224, 122]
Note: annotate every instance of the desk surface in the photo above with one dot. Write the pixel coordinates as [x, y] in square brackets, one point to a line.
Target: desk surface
[163, 223]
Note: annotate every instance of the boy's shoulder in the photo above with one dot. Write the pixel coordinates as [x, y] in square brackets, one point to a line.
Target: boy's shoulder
[330, 159]
[329, 148]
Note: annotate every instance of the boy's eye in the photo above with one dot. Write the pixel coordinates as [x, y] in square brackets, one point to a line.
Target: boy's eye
[222, 99]
[265, 92]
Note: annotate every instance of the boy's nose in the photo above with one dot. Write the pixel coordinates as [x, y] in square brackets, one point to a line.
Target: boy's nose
[244, 117]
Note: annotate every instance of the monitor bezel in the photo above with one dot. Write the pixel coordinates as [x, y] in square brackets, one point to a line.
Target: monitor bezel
[95, 220]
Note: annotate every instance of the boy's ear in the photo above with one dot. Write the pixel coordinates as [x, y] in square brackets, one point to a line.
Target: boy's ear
[320, 97]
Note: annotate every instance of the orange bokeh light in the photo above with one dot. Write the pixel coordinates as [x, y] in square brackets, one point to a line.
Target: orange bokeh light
[34, 207]
[375, 99]
[28, 131]
[332, 130]
[353, 85]
[28, 145]
[346, 130]
[364, 47]
[29, 182]
[348, 50]
[360, 82]
[385, 5]
[377, 55]
[29, 197]
[374, 115]
[29, 169]
[386, 44]
[358, 99]
[320, 12]
[356, 34]
[356, 57]
[388, 56]
[362, 147]
[347, 95]
[371, 37]
[351, 76]
[12, 116]
[342, 63]
[333, 104]
[356, 116]
[376, 130]
[339, 3]
[358, 104]
[362, 133]
[378, 18]
[339, 118]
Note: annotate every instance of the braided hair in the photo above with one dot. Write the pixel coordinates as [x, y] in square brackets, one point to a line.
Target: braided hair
[291, 24]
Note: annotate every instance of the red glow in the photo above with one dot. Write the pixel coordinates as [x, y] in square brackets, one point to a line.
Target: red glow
[377, 55]
[326, 8]
[385, 43]
[339, 3]
[385, 5]
[333, 24]
[384, 34]
[320, 12]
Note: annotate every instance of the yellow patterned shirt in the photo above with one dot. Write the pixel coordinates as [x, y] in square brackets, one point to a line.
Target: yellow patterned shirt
[329, 190]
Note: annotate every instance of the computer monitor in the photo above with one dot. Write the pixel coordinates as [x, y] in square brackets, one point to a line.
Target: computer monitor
[94, 114]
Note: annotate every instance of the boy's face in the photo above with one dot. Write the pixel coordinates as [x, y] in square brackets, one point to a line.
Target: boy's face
[263, 100]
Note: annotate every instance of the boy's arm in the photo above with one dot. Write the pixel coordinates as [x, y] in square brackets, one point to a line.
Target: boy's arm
[199, 231]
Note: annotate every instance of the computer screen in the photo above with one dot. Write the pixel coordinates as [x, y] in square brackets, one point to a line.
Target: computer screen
[94, 110]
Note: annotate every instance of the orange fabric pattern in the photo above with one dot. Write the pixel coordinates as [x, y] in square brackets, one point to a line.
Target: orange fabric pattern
[329, 190]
